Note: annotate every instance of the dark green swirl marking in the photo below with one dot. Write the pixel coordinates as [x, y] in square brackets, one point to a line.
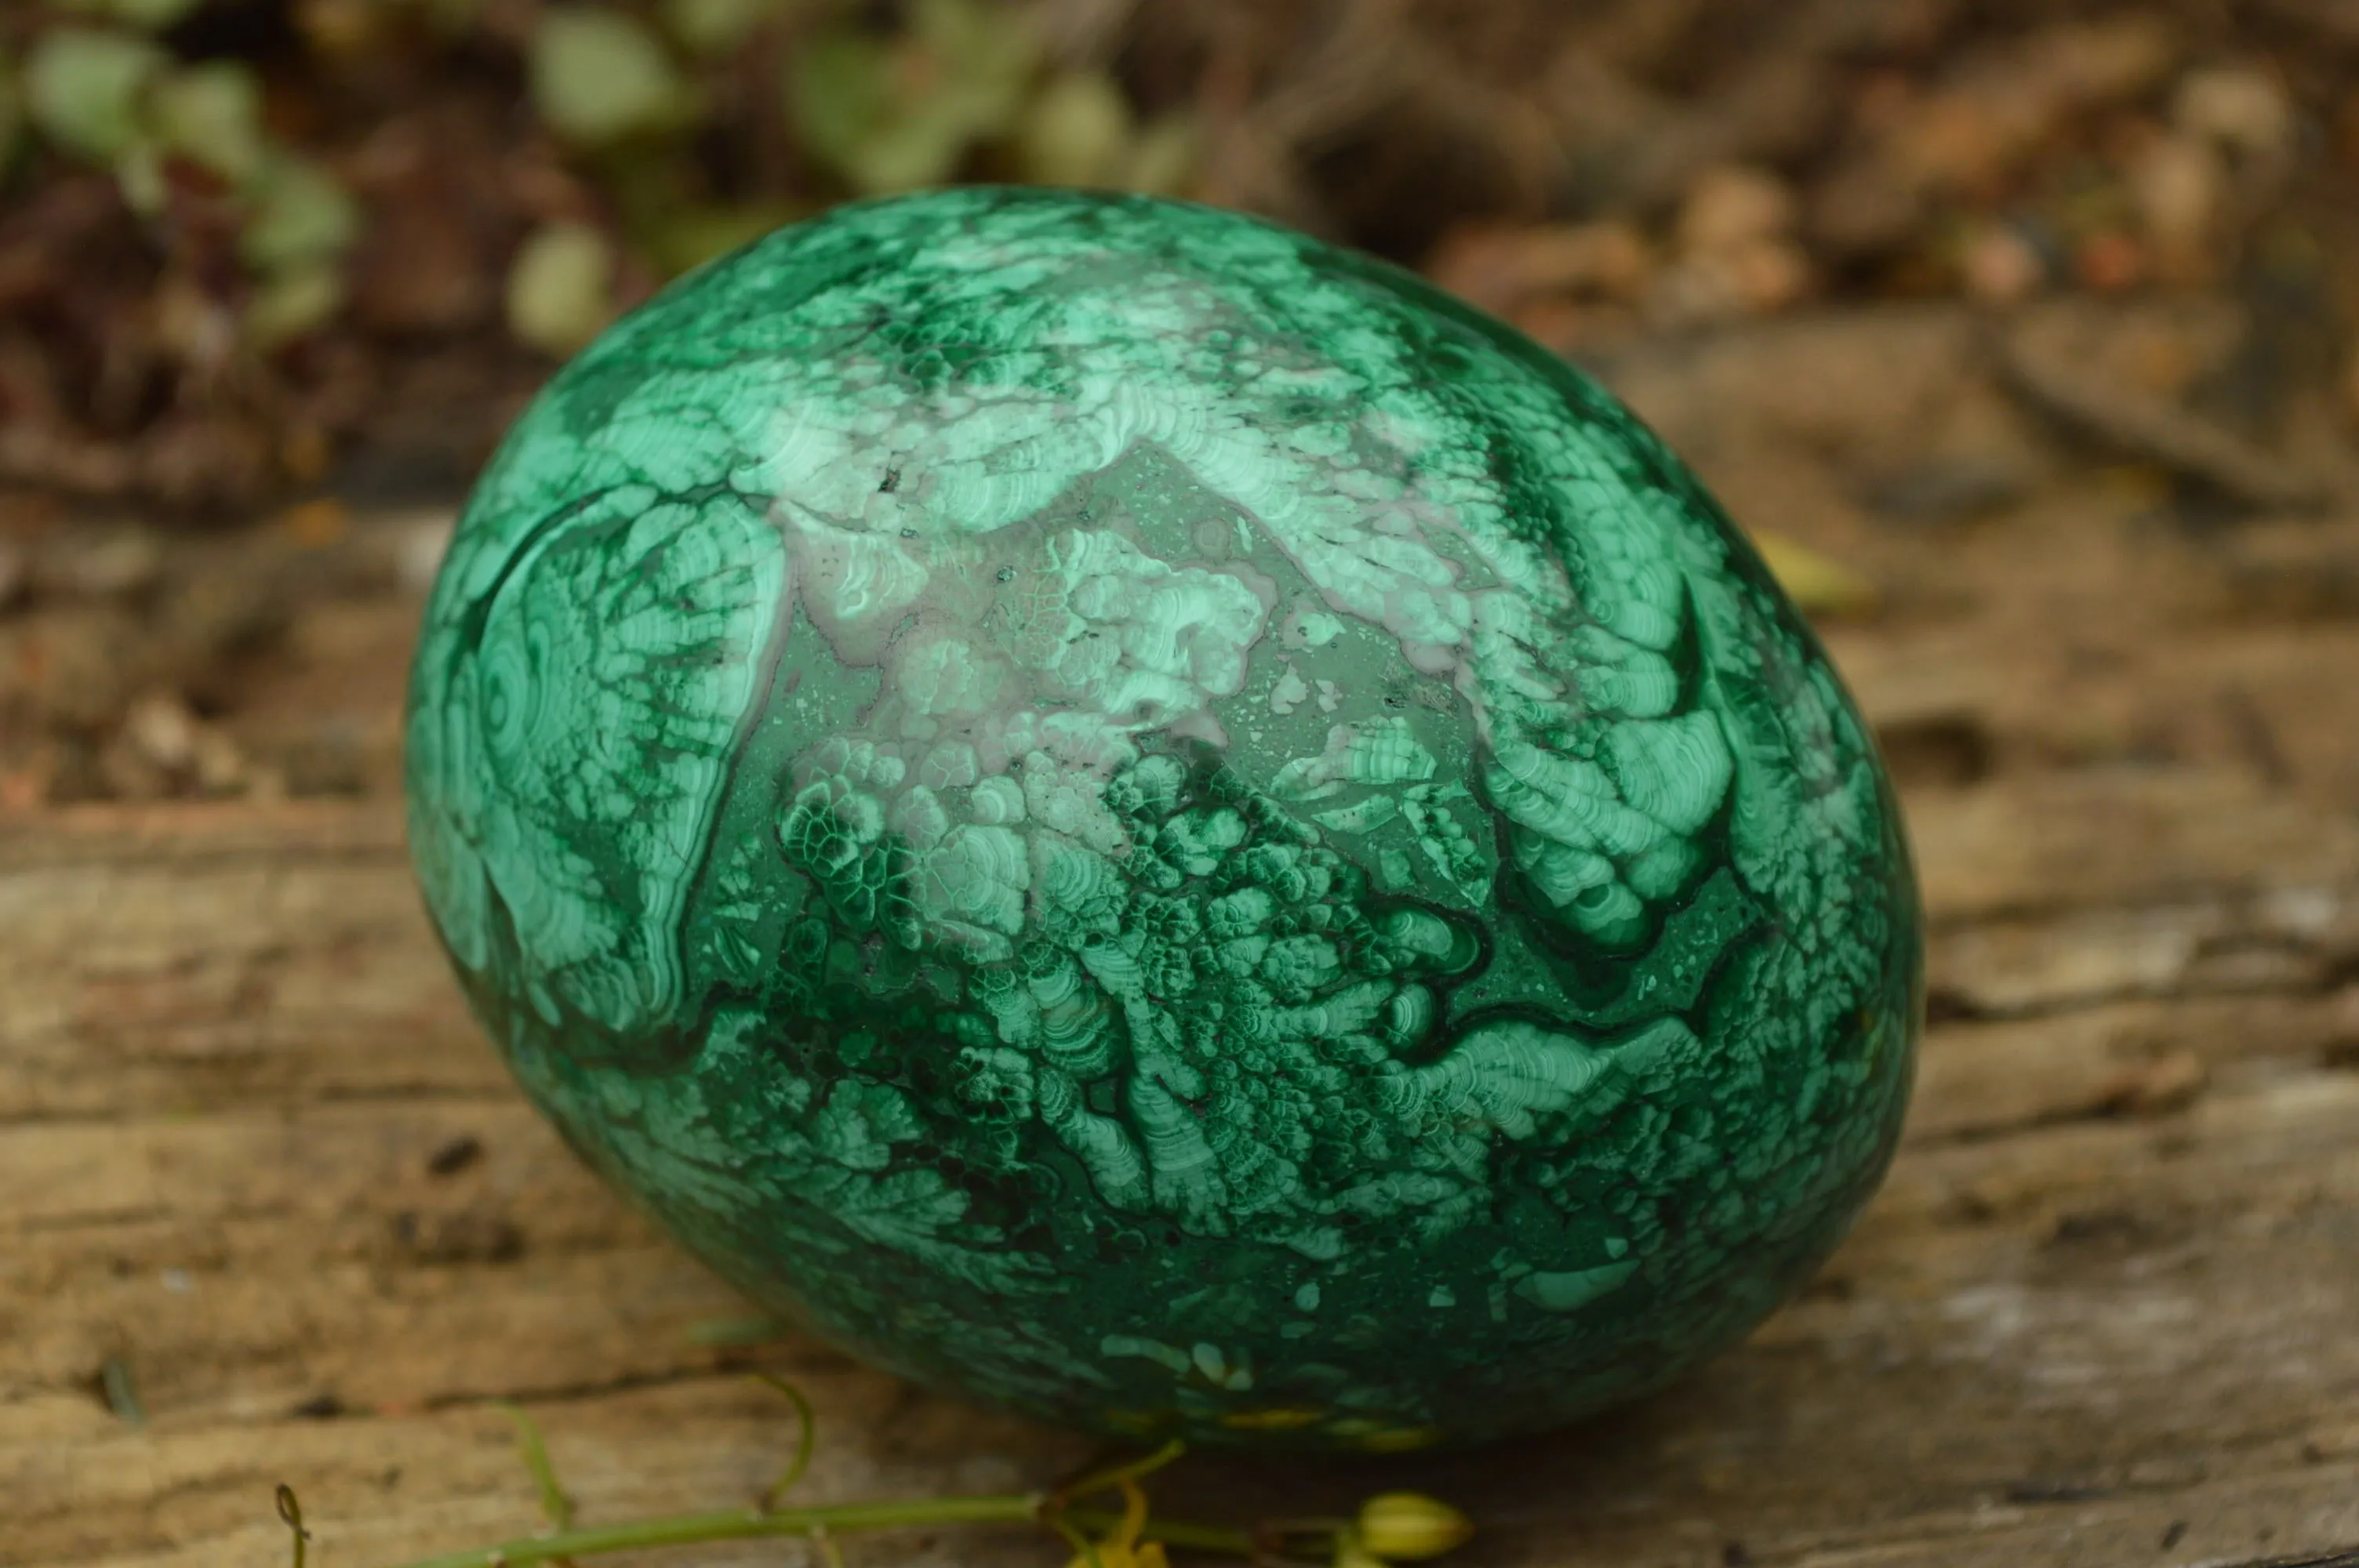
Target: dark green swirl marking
[1145, 818]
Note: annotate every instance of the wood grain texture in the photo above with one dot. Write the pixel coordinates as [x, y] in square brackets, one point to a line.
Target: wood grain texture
[254, 1156]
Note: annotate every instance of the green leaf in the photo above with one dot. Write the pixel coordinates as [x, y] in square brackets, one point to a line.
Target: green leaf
[213, 114]
[680, 240]
[292, 303]
[1820, 585]
[920, 147]
[1077, 131]
[147, 15]
[560, 287]
[299, 216]
[837, 90]
[84, 89]
[985, 55]
[990, 48]
[891, 116]
[714, 26]
[139, 175]
[599, 76]
[1162, 156]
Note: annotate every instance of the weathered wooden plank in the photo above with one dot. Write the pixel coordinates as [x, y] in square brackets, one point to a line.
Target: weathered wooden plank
[164, 959]
[379, 1489]
[2065, 1336]
[2128, 836]
[2128, 1059]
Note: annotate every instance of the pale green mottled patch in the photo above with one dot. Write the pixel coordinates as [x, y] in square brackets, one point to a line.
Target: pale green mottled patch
[1148, 819]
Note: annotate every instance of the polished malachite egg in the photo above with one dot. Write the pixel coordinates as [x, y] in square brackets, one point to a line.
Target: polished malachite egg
[1134, 815]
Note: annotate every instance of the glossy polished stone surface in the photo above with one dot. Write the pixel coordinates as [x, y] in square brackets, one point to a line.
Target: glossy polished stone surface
[1148, 820]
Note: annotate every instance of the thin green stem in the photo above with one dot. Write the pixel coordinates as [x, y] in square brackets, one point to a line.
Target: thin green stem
[556, 1506]
[806, 1440]
[1114, 1475]
[122, 1393]
[1173, 1532]
[1084, 1549]
[745, 1524]
[290, 1511]
[739, 1524]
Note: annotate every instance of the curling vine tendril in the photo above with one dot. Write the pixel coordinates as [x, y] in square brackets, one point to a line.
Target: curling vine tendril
[1390, 1527]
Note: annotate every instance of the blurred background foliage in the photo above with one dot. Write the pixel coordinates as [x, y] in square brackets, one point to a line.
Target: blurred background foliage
[654, 103]
[538, 164]
[244, 243]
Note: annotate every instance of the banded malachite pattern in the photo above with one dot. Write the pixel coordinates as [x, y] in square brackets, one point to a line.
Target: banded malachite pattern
[1145, 818]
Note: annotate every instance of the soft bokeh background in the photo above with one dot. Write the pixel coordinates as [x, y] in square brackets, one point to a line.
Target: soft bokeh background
[250, 243]
[303, 258]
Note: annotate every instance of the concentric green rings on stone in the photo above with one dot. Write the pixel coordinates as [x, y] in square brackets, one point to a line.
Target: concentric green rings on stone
[1140, 817]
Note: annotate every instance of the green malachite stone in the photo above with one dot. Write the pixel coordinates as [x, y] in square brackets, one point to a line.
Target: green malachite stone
[1146, 819]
